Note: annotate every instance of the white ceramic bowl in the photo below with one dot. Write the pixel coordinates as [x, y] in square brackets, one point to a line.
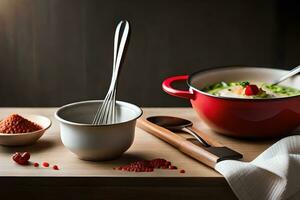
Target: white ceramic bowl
[97, 142]
[20, 139]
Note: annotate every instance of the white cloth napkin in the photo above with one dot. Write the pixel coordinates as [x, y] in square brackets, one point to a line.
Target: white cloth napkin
[274, 174]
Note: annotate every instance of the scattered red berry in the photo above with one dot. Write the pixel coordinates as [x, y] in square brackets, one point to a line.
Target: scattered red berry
[172, 167]
[35, 164]
[55, 167]
[251, 90]
[45, 164]
[21, 159]
[16, 156]
[182, 171]
[25, 155]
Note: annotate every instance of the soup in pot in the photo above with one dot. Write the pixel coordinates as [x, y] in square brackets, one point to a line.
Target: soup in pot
[250, 90]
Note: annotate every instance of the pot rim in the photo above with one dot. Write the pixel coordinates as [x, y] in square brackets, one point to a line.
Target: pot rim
[233, 98]
[60, 119]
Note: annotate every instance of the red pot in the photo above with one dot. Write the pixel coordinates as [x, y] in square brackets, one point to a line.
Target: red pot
[240, 117]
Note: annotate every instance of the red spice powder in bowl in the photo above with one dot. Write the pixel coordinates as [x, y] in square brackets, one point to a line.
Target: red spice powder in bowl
[16, 130]
[18, 124]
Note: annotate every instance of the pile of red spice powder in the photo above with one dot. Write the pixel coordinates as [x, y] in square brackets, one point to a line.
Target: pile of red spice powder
[17, 124]
[147, 165]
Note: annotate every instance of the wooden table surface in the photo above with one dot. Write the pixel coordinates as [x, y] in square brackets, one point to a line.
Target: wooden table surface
[199, 181]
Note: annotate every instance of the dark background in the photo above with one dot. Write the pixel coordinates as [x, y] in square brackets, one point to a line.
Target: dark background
[54, 52]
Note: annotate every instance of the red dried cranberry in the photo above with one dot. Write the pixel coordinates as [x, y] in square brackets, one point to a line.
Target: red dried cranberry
[55, 167]
[26, 155]
[172, 167]
[45, 164]
[21, 159]
[16, 157]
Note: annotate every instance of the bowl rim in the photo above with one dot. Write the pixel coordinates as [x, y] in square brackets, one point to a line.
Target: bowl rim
[234, 98]
[33, 132]
[60, 119]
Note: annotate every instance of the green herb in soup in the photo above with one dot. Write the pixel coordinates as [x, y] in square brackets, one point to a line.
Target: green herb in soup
[247, 89]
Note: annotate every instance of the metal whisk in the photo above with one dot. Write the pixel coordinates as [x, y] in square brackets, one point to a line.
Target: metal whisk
[106, 112]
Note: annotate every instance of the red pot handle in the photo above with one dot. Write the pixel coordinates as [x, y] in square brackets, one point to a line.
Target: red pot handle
[167, 87]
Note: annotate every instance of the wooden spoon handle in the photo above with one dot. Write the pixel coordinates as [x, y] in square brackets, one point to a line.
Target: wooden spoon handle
[183, 145]
[160, 132]
[208, 139]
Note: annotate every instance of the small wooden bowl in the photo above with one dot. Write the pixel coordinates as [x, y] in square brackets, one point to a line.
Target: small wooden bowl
[20, 139]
